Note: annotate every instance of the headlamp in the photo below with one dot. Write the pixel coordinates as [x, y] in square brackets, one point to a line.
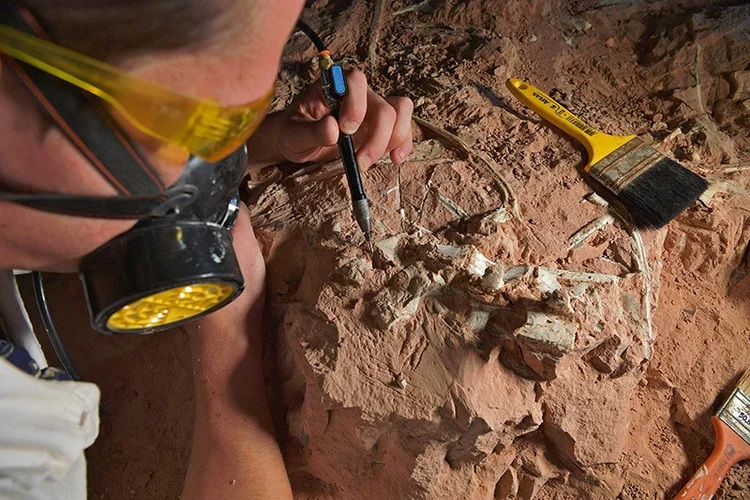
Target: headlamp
[177, 263]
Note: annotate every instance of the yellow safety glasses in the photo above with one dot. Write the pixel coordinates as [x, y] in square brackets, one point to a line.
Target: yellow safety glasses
[201, 127]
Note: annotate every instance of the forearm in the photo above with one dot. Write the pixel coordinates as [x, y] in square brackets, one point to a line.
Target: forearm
[235, 453]
[262, 147]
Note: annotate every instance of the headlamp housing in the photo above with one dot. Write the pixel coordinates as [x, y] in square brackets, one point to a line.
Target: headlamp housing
[159, 275]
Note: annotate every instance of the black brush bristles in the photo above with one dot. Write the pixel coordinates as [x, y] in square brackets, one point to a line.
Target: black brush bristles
[661, 193]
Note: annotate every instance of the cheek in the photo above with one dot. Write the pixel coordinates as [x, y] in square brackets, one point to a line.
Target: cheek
[34, 154]
[30, 239]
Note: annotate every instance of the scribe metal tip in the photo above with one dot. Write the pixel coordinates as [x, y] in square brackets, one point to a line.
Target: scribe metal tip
[362, 215]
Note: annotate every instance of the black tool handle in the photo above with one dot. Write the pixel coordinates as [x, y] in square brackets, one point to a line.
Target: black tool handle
[334, 88]
[349, 158]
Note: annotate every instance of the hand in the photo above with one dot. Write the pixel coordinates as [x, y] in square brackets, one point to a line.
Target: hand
[306, 131]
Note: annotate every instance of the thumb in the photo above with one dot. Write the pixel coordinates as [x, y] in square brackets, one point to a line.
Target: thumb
[302, 139]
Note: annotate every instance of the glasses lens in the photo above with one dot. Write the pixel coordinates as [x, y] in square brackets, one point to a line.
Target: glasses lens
[201, 127]
[215, 132]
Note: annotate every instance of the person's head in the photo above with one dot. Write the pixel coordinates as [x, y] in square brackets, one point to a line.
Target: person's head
[228, 50]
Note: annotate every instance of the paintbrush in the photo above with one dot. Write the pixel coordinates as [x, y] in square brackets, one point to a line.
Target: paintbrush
[732, 431]
[653, 189]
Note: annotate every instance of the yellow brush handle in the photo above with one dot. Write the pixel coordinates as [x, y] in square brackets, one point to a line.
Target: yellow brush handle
[597, 144]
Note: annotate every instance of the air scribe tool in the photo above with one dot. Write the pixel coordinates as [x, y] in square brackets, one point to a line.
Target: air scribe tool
[334, 89]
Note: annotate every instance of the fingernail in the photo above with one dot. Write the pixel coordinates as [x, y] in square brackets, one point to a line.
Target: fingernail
[348, 127]
[398, 156]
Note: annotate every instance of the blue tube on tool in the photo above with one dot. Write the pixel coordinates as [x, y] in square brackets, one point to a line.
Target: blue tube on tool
[338, 82]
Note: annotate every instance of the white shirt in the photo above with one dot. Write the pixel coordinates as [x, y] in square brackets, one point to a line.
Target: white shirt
[44, 424]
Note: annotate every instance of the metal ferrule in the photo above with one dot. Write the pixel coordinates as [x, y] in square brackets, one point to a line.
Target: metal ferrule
[361, 210]
[736, 414]
[325, 62]
[621, 167]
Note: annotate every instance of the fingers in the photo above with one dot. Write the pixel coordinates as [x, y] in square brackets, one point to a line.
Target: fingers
[400, 145]
[379, 125]
[354, 106]
[302, 139]
[311, 103]
[381, 118]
